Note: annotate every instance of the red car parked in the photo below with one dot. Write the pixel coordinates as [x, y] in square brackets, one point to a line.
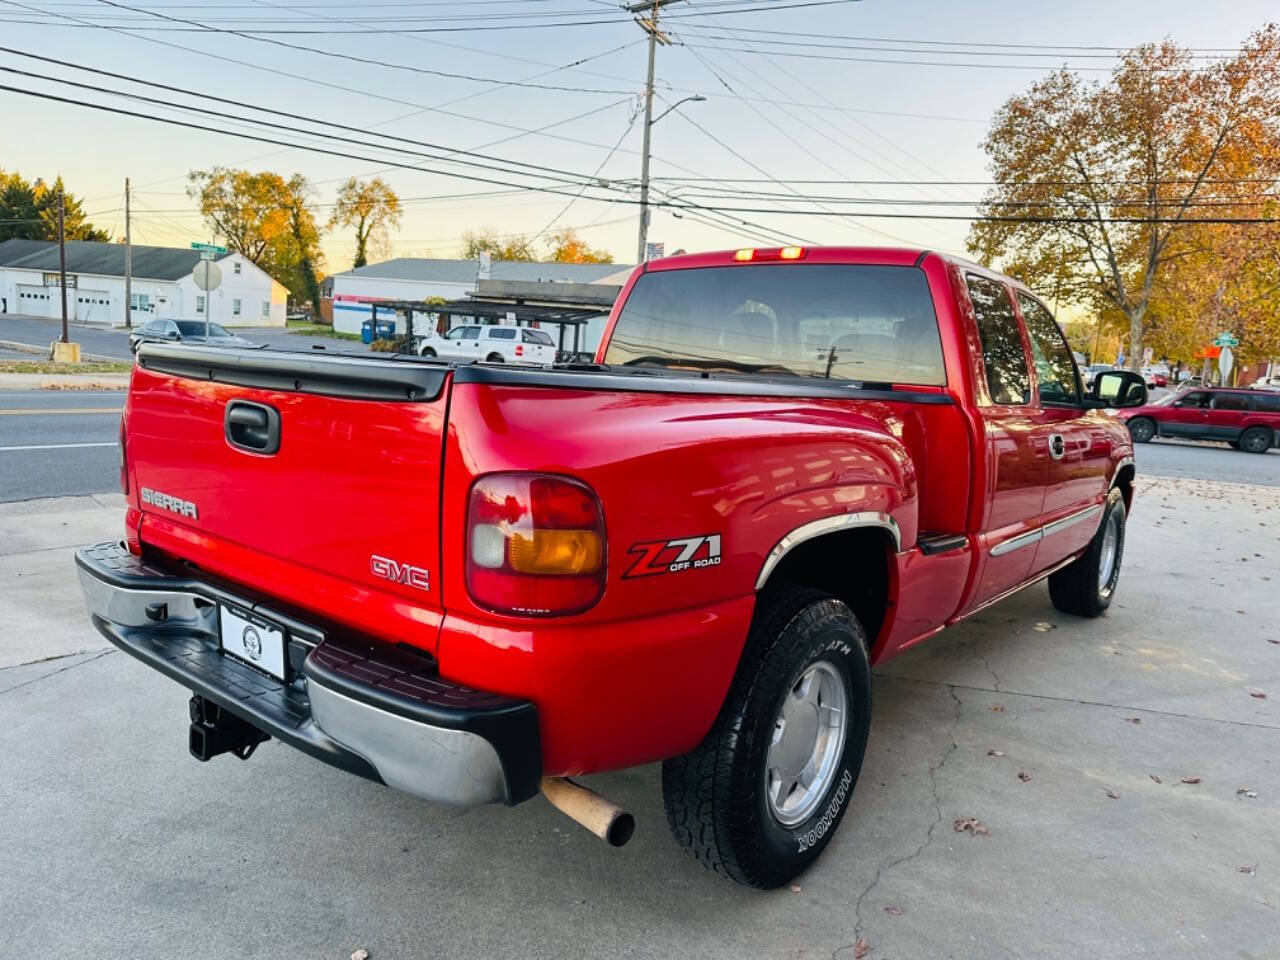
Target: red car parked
[1246, 419]
[472, 581]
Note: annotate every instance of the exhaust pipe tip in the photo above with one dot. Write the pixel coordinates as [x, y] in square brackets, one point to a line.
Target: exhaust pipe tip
[606, 820]
[620, 829]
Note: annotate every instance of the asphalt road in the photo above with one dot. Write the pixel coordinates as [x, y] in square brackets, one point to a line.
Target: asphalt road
[58, 443]
[115, 343]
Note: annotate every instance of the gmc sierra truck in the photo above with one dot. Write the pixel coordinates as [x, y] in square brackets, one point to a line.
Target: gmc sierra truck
[472, 581]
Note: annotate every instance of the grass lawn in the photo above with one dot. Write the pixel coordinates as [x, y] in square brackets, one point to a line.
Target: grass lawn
[47, 366]
[318, 330]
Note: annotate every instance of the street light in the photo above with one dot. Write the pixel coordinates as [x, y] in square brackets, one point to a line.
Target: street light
[696, 98]
[644, 160]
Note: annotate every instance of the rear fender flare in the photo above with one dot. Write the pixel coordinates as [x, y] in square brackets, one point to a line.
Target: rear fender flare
[820, 527]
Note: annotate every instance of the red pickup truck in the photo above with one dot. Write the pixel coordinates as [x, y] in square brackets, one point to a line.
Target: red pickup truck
[471, 581]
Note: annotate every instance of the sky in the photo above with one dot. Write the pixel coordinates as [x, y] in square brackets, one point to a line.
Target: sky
[793, 91]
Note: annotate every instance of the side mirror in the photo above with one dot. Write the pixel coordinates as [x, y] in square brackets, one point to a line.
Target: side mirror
[1120, 388]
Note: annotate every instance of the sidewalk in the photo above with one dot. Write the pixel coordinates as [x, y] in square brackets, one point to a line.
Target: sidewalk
[64, 381]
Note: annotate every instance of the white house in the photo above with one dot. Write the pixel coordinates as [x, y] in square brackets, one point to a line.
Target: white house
[162, 285]
[413, 278]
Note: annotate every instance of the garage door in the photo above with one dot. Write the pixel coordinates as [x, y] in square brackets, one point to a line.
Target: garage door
[37, 301]
[93, 306]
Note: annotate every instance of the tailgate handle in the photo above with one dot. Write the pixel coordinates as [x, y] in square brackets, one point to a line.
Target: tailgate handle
[254, 427]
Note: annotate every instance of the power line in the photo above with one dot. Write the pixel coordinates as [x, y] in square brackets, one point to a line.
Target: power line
[194, 26]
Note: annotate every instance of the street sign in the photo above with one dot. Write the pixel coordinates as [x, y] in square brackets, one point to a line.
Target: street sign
[211, 247]
[207, 255]
[207, 275]
[1225, 362]
[1226, 340]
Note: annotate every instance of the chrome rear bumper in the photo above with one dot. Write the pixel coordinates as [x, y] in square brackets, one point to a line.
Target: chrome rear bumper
[371, 709]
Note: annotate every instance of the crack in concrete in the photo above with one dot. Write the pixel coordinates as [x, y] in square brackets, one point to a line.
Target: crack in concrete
[936, 798]
[53, 673]
[1079, 702]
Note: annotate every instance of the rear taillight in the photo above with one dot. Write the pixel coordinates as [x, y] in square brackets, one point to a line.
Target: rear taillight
[124, 463]
[519, 349]
[535, 544]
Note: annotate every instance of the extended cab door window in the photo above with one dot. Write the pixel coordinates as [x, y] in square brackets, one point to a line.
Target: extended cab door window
[1055, 367]
[1008, 379]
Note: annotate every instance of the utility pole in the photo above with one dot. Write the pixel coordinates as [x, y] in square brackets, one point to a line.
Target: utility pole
[655, 37]
[62, 260]
[128, 262]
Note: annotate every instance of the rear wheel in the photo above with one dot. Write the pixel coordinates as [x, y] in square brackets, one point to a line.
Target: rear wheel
[1256, 440]
[760, 797]
[1142, 429]
[494, 358]
[428, 352]
[1085, 587]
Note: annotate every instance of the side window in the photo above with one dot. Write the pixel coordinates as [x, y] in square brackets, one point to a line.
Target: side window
[235, 305]
[170, 327]
[470, 333]
[537, 336]
[1267, 402]
[502, 333]
[1055, 368]
[455, 333]
[1230, 401]
[1008, 380]
[1196, 400]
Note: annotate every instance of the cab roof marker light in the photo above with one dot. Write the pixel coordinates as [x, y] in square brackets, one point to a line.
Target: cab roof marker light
[792, 253]
[747, 253]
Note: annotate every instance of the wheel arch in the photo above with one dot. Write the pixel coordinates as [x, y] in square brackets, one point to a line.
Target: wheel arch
[1123, 478]
[848, 556]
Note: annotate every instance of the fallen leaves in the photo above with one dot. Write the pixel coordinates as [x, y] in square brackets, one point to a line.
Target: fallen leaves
[1112, 794]
[1156, 778]
[1024, 776]
[1132, 719]
[995, 753]
[1251, 871]
[1244, 793]
[1044, 627]
[1273, 640]
[997, 709]
[361, 954]
[796, 888]
[861, 948]
[1191, 780]
[1258, 696]
[972, 824]
[893, 911]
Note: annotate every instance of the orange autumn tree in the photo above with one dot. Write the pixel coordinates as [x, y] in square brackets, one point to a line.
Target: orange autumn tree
[1104, 186]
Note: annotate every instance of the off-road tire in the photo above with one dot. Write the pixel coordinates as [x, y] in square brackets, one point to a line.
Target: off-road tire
[1142, 429]
[1256, 440]
[715, 796]
[1075, 588]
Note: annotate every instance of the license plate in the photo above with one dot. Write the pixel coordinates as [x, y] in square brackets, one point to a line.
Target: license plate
[253, 640]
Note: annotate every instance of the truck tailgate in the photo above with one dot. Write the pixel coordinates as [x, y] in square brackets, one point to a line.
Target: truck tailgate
[338, 513]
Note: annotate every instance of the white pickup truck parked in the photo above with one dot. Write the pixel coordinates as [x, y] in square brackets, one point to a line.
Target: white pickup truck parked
[501, 343]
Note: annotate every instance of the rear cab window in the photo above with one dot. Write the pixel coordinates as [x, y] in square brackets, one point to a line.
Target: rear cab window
[1003, 356]
[538, 337]
[853, 322]
[1055, 367]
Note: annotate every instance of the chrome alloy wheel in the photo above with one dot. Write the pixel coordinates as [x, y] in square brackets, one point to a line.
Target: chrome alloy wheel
[808, 741]
[1110, 543]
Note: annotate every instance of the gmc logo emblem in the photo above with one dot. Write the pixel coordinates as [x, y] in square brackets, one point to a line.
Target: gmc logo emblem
[405, 573]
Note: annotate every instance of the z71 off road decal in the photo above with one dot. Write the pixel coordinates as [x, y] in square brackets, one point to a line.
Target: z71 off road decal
[673, 556]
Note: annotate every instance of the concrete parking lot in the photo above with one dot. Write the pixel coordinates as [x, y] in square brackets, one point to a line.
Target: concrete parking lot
[1147, 823]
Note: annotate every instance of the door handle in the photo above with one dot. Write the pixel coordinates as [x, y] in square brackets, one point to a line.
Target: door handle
[1057, 446]
[254, 427]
